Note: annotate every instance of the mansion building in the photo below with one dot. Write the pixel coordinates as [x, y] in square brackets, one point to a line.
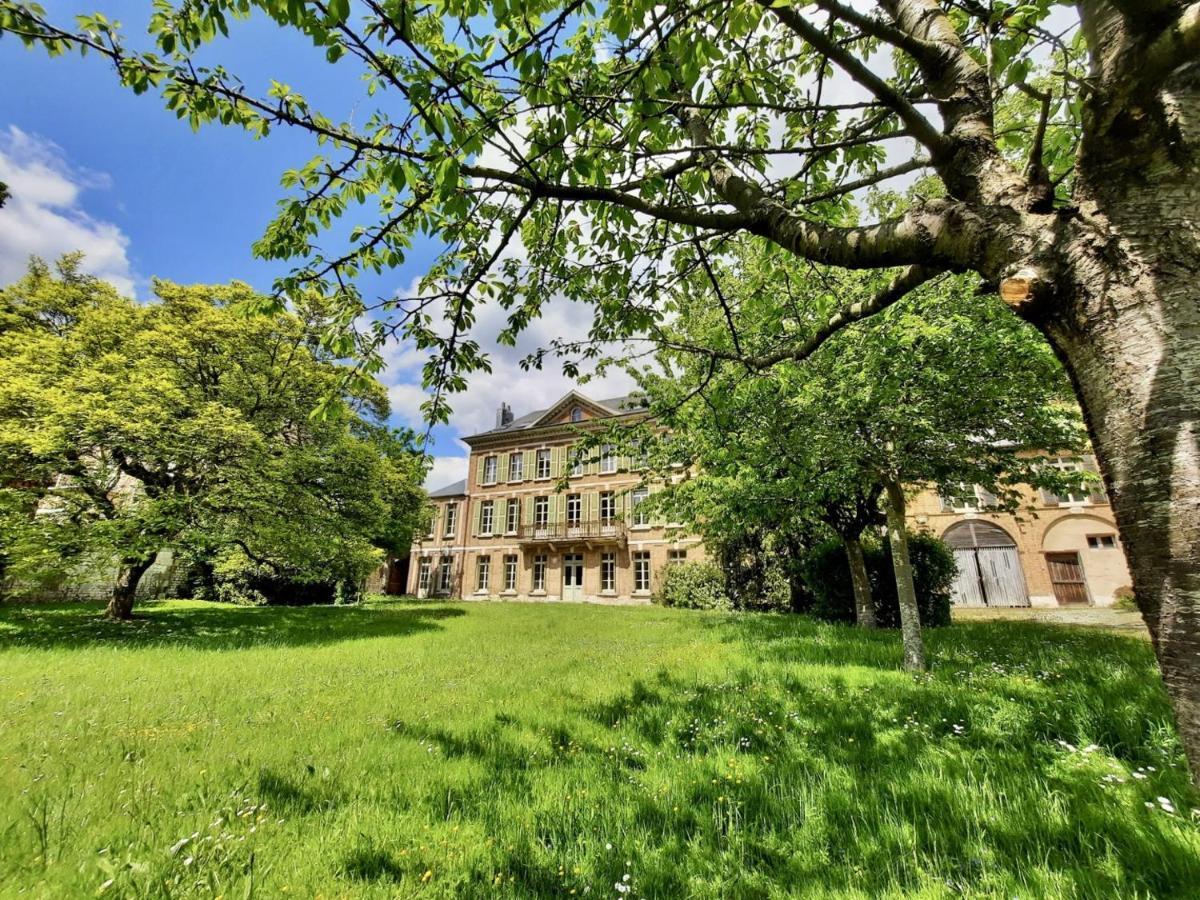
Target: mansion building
[509, 532]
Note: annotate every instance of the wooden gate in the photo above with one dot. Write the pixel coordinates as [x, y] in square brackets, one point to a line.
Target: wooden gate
[989, 566]
[1066, 574]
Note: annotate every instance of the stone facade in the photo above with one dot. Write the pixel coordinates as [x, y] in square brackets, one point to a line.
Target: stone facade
[1066, 550]
[511, 531]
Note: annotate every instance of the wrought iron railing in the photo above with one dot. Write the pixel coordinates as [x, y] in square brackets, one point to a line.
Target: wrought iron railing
[558, 532]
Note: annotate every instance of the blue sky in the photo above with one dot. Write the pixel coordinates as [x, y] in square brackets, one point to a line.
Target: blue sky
[93, 167]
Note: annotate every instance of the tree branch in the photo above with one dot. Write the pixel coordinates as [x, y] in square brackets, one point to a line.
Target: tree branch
[920, 127]
[903, 284]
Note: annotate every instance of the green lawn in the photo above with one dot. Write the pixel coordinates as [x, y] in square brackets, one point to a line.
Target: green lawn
[478, 750]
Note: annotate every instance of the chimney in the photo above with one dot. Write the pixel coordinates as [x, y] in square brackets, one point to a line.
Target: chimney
[504, 415]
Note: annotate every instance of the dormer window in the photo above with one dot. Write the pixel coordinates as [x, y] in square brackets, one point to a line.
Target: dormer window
[576, 414]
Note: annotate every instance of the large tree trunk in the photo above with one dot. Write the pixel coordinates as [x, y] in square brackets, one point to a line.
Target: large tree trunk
[1128, 331]
[120, 604]
[906, 592]
[864, 604]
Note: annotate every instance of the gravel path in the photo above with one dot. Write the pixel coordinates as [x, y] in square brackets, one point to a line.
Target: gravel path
[1089, 616]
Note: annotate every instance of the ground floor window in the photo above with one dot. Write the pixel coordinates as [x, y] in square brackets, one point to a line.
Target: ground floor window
[676, 556]
[423, 573]
[539, 573]
[483, 570]
[641, 571]
[444, 574]
[510, 573]
[608, 571]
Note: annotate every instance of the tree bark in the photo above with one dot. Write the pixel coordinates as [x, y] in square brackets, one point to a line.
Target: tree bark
[1127, 327]
[120, 604]
[906, 592]
[864, 604]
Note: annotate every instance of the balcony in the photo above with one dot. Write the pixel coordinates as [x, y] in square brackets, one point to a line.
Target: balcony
[580, 534]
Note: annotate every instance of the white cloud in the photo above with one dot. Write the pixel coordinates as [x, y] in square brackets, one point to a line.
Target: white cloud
[446, 470]
[43, 216]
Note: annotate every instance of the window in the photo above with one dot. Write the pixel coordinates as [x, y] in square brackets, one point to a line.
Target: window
[444, 574]
[483, 571]
[513, 514]
[423, 572]
[641, 571]
[576, 414]
[433, 515]
[574, 510]
[608, 571]
[541, 512]
[608, 460]
[576, 463]
[510, 572]
[451, 519]
[489, 470]
[487, 510]
[1102, 541]
[543, 463]
[516, 466]
[539, 573]
[608, 507]
[676, 556]
[1068, 464]
[963, 497]
[640, 516]
[640, 457]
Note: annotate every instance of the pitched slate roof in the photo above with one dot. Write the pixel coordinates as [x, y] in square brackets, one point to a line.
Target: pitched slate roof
[451, 490]
[619, 406]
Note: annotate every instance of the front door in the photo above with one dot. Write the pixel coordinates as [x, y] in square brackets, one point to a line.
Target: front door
[573, 576]
[1066, 574]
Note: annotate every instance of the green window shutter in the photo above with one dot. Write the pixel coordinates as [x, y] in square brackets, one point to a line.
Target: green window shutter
[591, 506]
[593, 462]
[529, 501]
[552, 509]
[627, 507]
[478, 517]
[500, 517]
[527, 470]
[558, 458]
[479, 470]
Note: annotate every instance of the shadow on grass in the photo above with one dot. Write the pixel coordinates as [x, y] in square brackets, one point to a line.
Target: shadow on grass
[211, 626]
[1006, 771]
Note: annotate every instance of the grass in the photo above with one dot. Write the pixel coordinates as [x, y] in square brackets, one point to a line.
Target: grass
[477, 750]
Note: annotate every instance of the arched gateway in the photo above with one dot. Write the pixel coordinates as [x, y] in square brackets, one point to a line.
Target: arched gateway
[989, 566]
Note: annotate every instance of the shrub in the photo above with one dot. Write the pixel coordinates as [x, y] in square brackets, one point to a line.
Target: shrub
[827, 575]
[233, 578]
[1123, 599]
[693, 586]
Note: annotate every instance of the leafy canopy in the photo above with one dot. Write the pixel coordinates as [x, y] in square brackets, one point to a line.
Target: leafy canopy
[601, 151]
[187, 423]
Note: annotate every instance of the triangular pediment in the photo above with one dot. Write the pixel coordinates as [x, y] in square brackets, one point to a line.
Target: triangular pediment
[559, 413]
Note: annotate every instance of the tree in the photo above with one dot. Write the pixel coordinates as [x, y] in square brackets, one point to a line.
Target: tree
[616, 144]
[942, 389]
[186, 424]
